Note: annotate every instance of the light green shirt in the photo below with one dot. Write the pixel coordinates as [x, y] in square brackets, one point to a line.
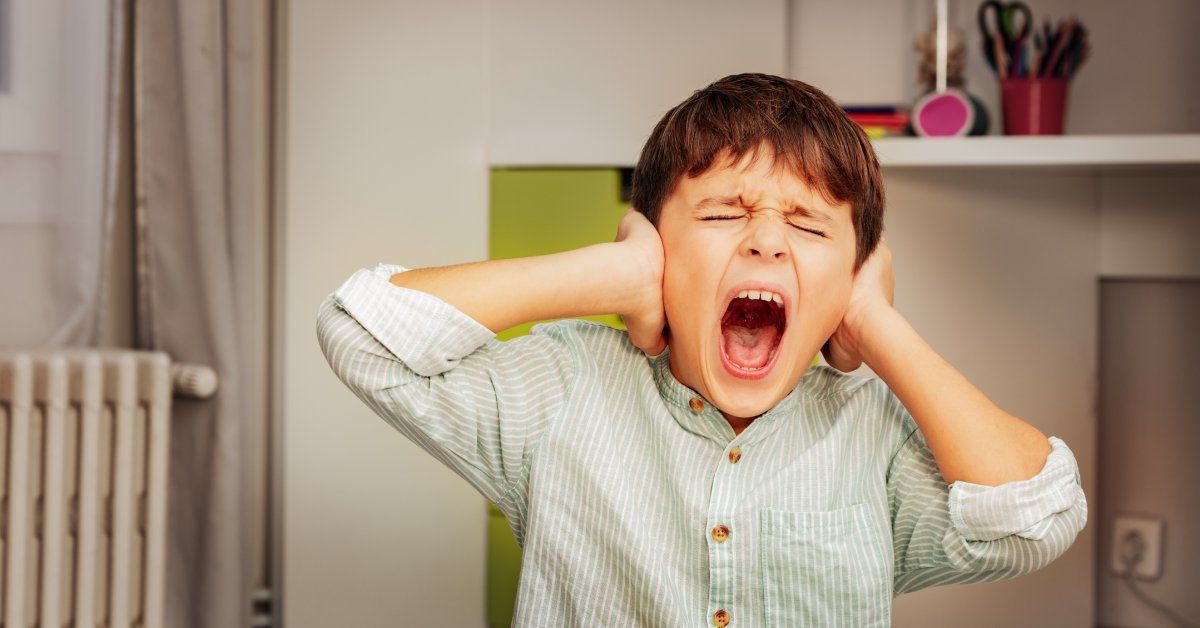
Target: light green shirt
[634, 503]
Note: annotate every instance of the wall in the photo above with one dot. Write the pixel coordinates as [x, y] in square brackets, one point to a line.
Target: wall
[1150, 225]
[583, 83]
[386, 111]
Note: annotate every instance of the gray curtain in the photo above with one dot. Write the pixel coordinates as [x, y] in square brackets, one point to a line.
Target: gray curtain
[200, 81]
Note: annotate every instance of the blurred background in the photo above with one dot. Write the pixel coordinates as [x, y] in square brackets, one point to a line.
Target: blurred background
[193, 177]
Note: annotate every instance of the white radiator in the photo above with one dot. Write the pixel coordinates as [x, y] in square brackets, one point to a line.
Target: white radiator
[83, 487]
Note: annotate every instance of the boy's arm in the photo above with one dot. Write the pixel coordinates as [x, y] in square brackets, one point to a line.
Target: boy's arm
[418, 357]
[507, 292]
[418, 347]
[971, 438]
[976, 494]
[966, 533]
[622, 277]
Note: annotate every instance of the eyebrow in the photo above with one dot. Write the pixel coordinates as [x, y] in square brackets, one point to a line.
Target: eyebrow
[803, 210]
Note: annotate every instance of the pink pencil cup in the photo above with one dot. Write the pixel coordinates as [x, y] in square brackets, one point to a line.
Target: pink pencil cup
[1033, 106]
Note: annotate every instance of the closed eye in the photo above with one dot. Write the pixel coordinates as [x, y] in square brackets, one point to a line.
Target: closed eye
[817, 232]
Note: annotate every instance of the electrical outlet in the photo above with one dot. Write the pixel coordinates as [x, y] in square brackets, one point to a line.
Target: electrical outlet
[1133, 535]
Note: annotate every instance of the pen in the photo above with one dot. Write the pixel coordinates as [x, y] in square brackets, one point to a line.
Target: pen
[1059, 44]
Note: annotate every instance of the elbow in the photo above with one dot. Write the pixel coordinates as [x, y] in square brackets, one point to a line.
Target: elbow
[335, 337]
[360, 361]
[326, 323]
[326, 328]
[1016, 551]
[1041, 448]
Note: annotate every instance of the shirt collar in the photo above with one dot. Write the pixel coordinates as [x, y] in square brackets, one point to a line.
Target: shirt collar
[709, 422]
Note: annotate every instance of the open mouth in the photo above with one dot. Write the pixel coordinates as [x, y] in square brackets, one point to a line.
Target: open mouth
[752, 329]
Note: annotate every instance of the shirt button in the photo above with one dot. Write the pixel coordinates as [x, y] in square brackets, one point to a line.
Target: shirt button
[721, 618]
[720, 533]
[735, 454]
[696, 404]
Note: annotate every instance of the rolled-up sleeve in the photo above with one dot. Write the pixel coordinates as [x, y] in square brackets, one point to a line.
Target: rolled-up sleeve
[965, 533]
[444, 381]
[1025, 508]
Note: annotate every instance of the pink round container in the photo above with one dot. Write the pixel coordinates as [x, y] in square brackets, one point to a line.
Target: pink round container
[943, 114]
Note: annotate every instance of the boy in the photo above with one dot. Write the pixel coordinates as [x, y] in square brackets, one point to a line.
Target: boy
[695, 469]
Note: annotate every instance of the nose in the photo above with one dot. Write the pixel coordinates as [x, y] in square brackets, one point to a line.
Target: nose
[766, 240]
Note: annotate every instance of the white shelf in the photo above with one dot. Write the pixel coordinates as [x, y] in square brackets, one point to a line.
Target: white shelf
[1088, 151]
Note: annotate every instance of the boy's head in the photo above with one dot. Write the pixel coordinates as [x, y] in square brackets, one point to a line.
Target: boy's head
[757, 182]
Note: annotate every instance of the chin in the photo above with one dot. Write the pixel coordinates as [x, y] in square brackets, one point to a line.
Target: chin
[750, 398]
[745, 408]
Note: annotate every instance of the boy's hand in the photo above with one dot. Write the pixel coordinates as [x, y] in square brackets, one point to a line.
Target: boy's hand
[872, 294]
[644, 317]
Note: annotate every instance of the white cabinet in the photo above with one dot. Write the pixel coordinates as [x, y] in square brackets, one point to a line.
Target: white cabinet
[583, 83]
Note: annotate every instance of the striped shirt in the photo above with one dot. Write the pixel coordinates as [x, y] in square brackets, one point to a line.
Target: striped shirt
[633, 501]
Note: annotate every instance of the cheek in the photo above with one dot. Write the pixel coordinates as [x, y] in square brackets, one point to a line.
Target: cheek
[690, 285]
[824, 283]
[684, 292]
[693, 266]
[815, 267]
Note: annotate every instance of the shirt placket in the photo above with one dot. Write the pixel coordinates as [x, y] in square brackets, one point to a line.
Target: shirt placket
[721, 533]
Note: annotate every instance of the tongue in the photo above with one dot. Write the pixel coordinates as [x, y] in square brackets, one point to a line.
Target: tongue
[749, 347]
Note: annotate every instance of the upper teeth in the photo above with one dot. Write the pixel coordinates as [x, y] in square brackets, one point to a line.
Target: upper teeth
[764, 295]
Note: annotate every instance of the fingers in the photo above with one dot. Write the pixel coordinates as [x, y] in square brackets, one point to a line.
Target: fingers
[647, 335]
[651, 343]
[838, 358]
[848, 366]
[656, 348]
[626, 225]
[655, 342]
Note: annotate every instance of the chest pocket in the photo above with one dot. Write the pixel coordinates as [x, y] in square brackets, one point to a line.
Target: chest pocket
[823, 567]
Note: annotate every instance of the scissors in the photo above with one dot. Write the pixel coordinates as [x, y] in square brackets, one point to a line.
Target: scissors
[1001, 42]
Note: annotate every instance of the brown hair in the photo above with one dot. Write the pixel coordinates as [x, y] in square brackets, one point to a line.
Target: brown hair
[804, 127]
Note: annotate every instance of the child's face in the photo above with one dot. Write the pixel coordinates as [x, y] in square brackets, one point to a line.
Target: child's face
[709, 261]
